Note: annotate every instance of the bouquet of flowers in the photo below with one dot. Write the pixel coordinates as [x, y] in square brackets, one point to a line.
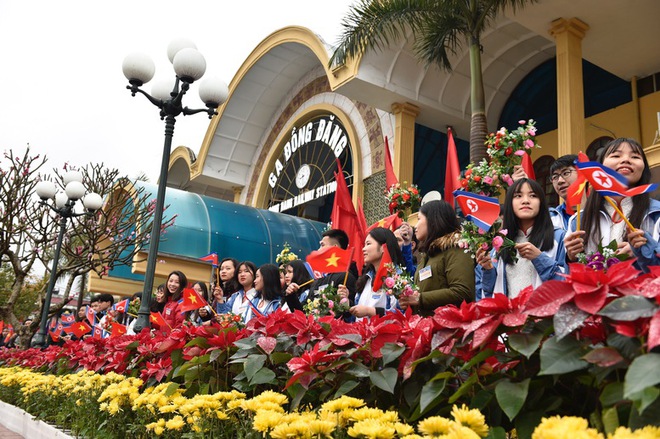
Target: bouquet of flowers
[110, 318]
[474, 238]
[286, 255]
[399, 282]
[403, 198]
[603, 258]
[229, 320]
[134, 307]
[506, 148]
[485, 179]
[326, 302]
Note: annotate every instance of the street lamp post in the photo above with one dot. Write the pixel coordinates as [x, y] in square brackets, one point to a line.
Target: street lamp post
[63, 205]
[189, 66]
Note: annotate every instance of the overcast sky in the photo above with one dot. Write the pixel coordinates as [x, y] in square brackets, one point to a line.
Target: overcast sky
[63, 89]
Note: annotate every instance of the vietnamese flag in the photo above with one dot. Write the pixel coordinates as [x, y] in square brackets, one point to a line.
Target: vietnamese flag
[381, 273]
[158, 319]
[362, 219]
[118, 329]
[452, 169]
[192, 300]
[330, 259]
[391, 222]
[576, 189]
[481, 210]
[390, 176]
[527, 166]
[344, 217]
[78, 329]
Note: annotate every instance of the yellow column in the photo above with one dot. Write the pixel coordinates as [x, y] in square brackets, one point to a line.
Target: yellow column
[568, 36]
[404, 140]
[237, 193]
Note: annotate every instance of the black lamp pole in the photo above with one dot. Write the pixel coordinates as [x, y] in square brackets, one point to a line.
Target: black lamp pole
[169, 109]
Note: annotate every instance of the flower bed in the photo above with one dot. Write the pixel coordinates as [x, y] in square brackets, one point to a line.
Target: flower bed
[586, 347]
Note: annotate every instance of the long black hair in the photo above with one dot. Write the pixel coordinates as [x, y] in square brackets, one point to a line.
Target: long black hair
[155, 305]
[270, 276]
[441, 220]
[596, 203]
[382, 236]
[300, 273]
[230, 286]
[183, 283]
[542, 235]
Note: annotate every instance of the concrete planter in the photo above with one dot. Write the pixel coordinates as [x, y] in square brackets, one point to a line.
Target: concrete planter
[23, 423]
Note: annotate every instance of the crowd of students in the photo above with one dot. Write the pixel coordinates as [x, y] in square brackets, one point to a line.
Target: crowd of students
[546, 240]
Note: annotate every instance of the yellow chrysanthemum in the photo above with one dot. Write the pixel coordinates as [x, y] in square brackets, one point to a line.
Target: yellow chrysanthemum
[284, 431]
[648, 432]
[266, 420]
[372, 429]
[403, 429]
[461, 432]
[342, 403]
[471, 418]
[318, 428]
[373, 413]
[176, 423]
[568, 426]
[222, 415]
[434, 426]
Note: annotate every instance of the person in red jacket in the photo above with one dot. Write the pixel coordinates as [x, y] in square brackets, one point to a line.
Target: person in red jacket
[176, 282]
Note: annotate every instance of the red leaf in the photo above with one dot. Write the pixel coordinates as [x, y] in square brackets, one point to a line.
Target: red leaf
[267, 344]
[592, 302]
[604, 357]
[483, 334]
[622, 273]
[546, 299]
[654, 331]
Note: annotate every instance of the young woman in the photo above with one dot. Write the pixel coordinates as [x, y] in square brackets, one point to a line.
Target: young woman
[229, 276]
[367, 302]
[295, 274]
[176, 282]
[541, 254]
[600, 222]
[203, 315]
[445, 273]
[239, 302]
[268, 286]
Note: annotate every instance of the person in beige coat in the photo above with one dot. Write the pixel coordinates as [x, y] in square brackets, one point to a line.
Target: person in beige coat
[445, 273]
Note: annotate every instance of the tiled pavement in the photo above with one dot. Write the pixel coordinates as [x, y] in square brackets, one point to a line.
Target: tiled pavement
[8, 434]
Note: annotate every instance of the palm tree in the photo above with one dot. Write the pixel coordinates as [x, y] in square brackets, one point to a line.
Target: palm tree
[439, 27]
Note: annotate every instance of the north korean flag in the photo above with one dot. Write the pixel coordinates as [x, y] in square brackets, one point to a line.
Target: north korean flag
[67, 319]
[481, 210]
[604, 180]
[121, 306]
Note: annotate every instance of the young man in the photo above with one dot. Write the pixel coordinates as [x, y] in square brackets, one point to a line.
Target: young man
[563, 173]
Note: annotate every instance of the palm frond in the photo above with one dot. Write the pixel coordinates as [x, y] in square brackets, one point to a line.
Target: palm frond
[374, 24]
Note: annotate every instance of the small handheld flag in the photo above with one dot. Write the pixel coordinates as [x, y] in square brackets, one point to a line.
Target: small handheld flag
[121, 306]
[79, 329]
[212, 258]
[192, 300]
[481, 210]
[382, 269]
[158, 319]
[330, 259]
[391, 222]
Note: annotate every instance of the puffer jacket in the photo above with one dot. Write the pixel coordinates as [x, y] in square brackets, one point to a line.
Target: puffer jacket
[452, 275]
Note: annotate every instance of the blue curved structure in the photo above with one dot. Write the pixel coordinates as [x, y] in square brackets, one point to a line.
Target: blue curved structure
[204, 225]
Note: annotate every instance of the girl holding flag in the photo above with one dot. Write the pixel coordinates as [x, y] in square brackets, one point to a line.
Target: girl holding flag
[296, 285]
[367, 301]
[268, 287]
[539, 245]
[633, 221]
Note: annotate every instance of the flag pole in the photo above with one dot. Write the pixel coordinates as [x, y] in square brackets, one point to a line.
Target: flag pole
[350, 259]
[577, 219]
[616, 208]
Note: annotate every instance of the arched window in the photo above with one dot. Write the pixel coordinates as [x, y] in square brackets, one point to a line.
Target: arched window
[595, 147]
[542, 171]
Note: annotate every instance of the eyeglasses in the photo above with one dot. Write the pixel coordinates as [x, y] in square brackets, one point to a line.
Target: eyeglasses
[563, 174]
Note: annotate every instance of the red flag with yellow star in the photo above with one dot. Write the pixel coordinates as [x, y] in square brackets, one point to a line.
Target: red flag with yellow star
[192, 300]
[156, 318]
[577, 188]
[330, 259]
[78, 329]
[118, 329]
[391, 222]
